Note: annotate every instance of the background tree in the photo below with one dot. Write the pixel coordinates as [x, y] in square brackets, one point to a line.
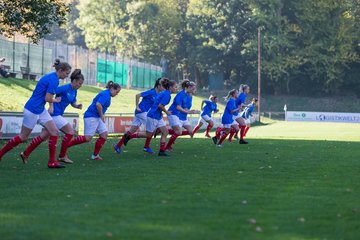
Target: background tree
[31, 18]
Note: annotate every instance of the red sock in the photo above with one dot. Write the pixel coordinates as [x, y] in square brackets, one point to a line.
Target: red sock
[34, 144]
[196, 129]
[10, 145]
[223, 137]
[162, 146]
[121, 141]
[147, 142]
[246, 130]
[218, 132]
[98, 145]
[183, 133]
[76, 141]
[135, 135]
[209, 127]
[52, 148]
[232, 133]
[242, 132]
[171, 131]
[171, 141]
[64, 145]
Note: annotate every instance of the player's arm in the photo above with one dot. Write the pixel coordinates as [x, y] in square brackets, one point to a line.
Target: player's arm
[137, 100]
[51, 108]
[75, 105]
[184, 110]
[50, 98]
[202, 104]
[162, 107]
[99, 109]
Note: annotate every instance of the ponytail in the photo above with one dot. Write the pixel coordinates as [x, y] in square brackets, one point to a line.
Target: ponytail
[230, 94]
[157, 82]
[58, 65]
[111, 84]
[76, 75]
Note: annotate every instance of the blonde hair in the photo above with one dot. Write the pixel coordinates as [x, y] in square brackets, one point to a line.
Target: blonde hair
[243, 87]
[230, 93]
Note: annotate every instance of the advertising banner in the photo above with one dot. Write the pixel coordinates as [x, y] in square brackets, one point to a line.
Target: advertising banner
[323, 117]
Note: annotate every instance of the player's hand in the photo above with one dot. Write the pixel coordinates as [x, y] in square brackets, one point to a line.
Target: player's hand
[138, 109]
[168, 113]
[57, 100]
[103, 119]
[79, 106]
[51, 110]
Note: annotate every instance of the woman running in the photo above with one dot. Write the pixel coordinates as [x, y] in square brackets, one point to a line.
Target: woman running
[179, 109]
[205, 117]
[228, 118]
[247, 114]
[35, 112]
[240, 102]
[141, 110]
[154, 117]
[94, 119]
[68, 93]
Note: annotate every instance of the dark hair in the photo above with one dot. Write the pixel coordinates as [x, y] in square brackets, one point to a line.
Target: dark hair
[167, 83]
[58, 65]
[230, 93]
[76, 75]
[186, 83]
[212, 97]
[110, 84]
[157, 82]
[254, 99]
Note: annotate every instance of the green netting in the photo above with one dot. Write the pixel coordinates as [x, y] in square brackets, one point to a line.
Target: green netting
[143, 77]
[115, 71]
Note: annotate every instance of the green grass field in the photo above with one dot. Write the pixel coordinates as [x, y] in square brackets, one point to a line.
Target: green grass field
[293, 181]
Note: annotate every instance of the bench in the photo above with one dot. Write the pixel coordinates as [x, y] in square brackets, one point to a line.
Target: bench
[11, 73]
[26, 74]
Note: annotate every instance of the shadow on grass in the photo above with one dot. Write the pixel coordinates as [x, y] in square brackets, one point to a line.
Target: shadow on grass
[23, 83]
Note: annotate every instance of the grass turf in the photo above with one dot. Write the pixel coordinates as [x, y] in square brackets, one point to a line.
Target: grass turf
[293, 189]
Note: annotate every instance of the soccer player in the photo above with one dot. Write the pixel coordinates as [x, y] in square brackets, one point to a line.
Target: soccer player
[240, 102]
[94, 119]
[228, 118]
[141, 110]
[205, 117]
[154, 117]
[35, 112]
[68, 94]
[247, 113]
[179, 109]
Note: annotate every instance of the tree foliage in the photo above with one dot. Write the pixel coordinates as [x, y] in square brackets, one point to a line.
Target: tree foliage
[31, 18]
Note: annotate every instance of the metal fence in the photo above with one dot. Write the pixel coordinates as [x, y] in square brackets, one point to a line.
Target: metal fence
[97, 67]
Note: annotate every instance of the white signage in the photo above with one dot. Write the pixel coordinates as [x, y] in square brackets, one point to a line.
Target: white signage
[323, 117]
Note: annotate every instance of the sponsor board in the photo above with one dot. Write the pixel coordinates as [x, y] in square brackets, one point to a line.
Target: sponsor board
[322, 117]
[10, 124]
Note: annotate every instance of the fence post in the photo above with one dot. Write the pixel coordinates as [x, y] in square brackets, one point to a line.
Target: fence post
[115, 67]
[28, 60]
[14, 53]
[42, 57]
[106, 65]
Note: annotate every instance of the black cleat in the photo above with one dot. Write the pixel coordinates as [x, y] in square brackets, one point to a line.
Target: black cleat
[215, 140]
[163, 154]
[243, 142]
[126, 139]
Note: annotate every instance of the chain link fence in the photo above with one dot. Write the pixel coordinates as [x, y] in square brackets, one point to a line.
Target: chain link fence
[27, 60]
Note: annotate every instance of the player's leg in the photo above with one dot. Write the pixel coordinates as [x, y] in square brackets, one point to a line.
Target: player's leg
[29, 122]
[103, 133]
[35, 142]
